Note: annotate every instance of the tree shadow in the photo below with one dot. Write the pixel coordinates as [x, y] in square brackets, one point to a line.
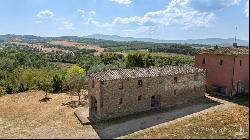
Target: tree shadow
[75, 104]
[131, 123]
[45, 99]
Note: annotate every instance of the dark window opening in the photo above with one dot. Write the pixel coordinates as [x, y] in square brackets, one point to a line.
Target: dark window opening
[120, 102]
[121, 85]
[221, 62]
[139, 98]
[140, 83]
[204, 61]
[175, 79]
[93, 83]
[240, 62]
[195, 77]
[175, 92]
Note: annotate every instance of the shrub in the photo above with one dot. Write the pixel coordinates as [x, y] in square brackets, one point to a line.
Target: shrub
[1, 91]
[57, 83]
[9, 88]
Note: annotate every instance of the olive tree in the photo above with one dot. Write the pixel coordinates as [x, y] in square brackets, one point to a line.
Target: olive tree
[75, 79]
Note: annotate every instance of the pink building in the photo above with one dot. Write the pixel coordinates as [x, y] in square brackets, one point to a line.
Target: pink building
[227, 70]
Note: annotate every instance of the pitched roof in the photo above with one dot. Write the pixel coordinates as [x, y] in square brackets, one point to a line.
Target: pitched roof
[114, 74]
[227, 51]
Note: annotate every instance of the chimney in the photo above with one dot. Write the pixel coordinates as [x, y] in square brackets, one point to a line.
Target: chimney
[235, 45]
[215, 47]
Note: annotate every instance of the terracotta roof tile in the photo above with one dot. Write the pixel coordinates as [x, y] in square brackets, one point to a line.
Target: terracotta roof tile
[114, 74]
[227, 51]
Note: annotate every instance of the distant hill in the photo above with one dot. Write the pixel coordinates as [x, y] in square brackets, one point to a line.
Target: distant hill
[207, 41]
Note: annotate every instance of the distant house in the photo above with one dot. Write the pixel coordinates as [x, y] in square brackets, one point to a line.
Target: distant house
[120, 92]
[227, 69]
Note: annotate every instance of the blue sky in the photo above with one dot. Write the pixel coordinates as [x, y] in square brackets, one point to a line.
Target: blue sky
[161, 19]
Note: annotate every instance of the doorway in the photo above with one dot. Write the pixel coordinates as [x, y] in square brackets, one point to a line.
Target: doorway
[93, 104]
[155, 101]
[239, 87]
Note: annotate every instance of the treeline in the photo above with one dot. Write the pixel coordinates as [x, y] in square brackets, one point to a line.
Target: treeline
[156, 47]
[116, 46]
[22, 70]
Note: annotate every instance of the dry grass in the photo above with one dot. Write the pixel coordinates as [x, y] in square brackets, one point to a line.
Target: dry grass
[39, 46]
[78, 45]
[23, 116]
[214, 124]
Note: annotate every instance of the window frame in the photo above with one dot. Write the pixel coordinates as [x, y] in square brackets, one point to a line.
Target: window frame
[93, 83]
[221, 62]
[139, 83]
[139, 98]
[120, 101]
[120, 85]
[175, 79]
[203, 61]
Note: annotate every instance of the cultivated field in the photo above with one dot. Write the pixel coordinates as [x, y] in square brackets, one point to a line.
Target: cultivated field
[38, 46]
[78, 45]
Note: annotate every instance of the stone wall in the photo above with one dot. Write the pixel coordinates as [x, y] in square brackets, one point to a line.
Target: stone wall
[109, 94]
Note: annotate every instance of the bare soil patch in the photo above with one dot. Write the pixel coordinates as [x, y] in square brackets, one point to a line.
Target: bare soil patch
[23, 116]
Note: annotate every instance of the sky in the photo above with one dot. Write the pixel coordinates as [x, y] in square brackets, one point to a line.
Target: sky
[158, 19]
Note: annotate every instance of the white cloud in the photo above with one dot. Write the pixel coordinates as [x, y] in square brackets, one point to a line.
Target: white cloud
[125, 2]
[143, 29]
[211, 5]
[91, 21]
[38, 21]
[91, 12]
[45, 14]
[82, 12]
[68, 25]
[247, 9]
[177, 12]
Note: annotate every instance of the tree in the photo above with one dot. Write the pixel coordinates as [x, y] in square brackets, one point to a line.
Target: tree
[134, 60]
[57, 83]
[44, 84]
[21, 88]
[139, 60]
[149, 61]
[75, 79]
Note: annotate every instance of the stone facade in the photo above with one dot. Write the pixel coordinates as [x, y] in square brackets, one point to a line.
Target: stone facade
[120, 97]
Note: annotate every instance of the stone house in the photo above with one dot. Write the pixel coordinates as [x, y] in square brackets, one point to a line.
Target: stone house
[119, 92]
[227, 69]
